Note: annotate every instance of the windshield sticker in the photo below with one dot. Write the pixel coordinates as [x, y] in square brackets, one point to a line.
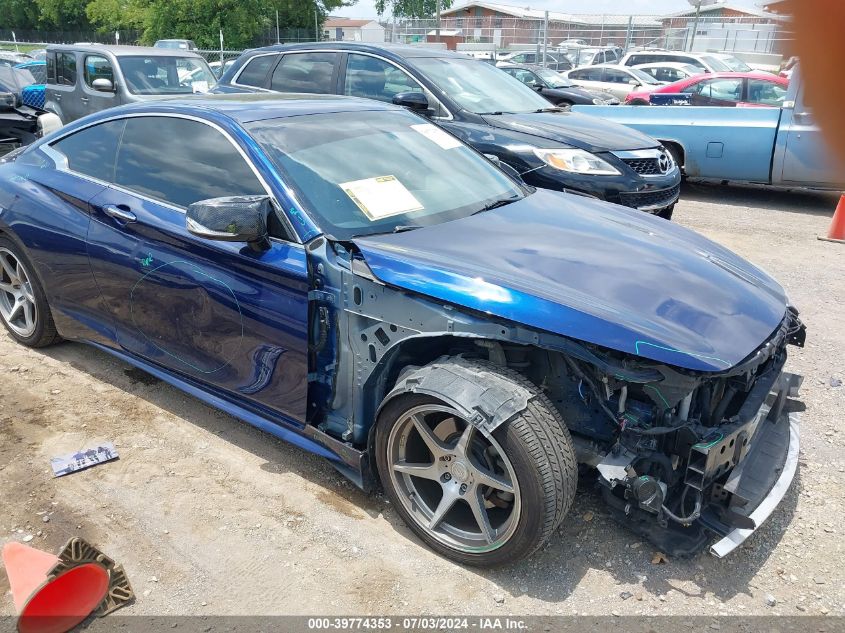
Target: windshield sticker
[434, 133]
[381, 197]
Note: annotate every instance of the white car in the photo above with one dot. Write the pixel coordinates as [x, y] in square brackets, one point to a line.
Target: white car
[617, 80]
[734, 63]
[708, 62]
[669, 72]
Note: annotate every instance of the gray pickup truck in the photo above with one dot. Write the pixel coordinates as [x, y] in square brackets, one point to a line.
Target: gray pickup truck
[82, 79]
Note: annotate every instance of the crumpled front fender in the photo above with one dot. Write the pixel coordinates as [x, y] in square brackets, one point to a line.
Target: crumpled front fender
[486, 399]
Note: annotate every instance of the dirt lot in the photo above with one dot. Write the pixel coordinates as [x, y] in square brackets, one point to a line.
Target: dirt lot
[209, 516]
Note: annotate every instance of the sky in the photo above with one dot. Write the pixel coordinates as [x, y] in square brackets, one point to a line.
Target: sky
[366, 8]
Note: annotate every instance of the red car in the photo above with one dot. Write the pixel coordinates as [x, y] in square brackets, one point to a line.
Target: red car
[751, 89]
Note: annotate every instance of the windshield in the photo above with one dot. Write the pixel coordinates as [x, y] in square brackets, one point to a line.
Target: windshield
[736, 65]
[479, 87]
[13, 79]
[643, 77]
[553, 79]
[153, 75]
[716, 64]
[371, 172]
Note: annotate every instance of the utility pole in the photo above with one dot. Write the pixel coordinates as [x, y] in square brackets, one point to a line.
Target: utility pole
[545, 36]
[697, 4]
[277, 27]
[316, 23]
[437, 28]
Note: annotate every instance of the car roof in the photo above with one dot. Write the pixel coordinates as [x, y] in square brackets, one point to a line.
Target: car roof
[388, 50]
[616, 66]
[532, 67]
[663, 65]
[752, 74]
[250, 107]
[124, 51]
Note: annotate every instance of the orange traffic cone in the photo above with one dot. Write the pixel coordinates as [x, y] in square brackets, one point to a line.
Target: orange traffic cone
[836, 233]
[47, 603]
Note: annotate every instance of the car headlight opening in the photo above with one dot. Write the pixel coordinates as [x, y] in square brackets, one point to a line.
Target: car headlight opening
[576, 161]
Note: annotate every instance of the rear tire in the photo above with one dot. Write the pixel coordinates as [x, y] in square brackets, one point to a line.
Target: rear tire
[531, 454]
[23, 303]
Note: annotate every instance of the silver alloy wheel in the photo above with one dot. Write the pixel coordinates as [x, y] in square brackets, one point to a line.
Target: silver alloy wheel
[17, 303]
[455, 481]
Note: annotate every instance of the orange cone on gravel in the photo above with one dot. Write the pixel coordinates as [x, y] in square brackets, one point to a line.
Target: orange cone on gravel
[836, 233]
[51, 604]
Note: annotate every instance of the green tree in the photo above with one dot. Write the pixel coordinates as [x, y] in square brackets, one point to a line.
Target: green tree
[411, 8]
[62, 14]
[18, 14]
[117, 15]
[242, 21]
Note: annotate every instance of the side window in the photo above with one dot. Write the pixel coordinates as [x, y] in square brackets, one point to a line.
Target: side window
[97, 67]
[614, 76]
[525, 76]
[305, 72]
[587, 74]
[722, 89]
[374, 78]
[255, 71]
[92, 151]
[66, 69]
[51, 68]
[766, 92]
[208, 167]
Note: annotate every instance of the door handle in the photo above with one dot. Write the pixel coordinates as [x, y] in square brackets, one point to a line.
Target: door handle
[84, 99]
[124, 215]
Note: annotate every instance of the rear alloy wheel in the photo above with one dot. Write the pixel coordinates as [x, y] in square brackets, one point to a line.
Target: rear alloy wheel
[478, 498]
[23, 308]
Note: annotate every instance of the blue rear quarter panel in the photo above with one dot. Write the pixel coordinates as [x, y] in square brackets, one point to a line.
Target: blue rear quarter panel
[724, 143]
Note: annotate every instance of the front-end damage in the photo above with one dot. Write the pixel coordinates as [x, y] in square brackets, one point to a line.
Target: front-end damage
[680, 455]
[688, 455]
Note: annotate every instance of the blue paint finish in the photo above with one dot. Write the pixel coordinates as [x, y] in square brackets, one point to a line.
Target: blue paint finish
[593, 272]
[55, 241]
[194, 333]
[747, 134]
[209, 306]
[230, 324]
[264, 420]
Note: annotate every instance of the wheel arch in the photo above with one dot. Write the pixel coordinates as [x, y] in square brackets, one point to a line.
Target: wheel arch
[679, 152]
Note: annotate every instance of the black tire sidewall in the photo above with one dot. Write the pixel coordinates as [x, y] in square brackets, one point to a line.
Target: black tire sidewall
[45, 332]
[528, 534]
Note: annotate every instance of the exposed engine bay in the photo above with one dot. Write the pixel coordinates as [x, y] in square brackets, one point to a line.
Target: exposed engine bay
[667, 443]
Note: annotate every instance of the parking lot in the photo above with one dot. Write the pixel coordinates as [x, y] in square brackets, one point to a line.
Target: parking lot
[209, 516]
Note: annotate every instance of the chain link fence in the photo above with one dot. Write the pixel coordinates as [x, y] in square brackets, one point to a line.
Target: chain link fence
[763, 35]
[765, 40]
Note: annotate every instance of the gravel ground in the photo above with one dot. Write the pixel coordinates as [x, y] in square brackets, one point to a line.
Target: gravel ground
[209, 516]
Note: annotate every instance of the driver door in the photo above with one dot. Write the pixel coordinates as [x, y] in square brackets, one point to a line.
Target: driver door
[216, 313]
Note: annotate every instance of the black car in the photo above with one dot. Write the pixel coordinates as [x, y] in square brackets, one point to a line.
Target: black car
[554, 61]
[482, 105]
[557, 88]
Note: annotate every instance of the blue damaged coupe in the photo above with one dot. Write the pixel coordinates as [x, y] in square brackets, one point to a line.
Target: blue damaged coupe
[347, 276]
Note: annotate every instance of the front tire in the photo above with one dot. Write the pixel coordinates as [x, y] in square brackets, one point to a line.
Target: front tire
[477, 498]
[666, 213]
[23, 304]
